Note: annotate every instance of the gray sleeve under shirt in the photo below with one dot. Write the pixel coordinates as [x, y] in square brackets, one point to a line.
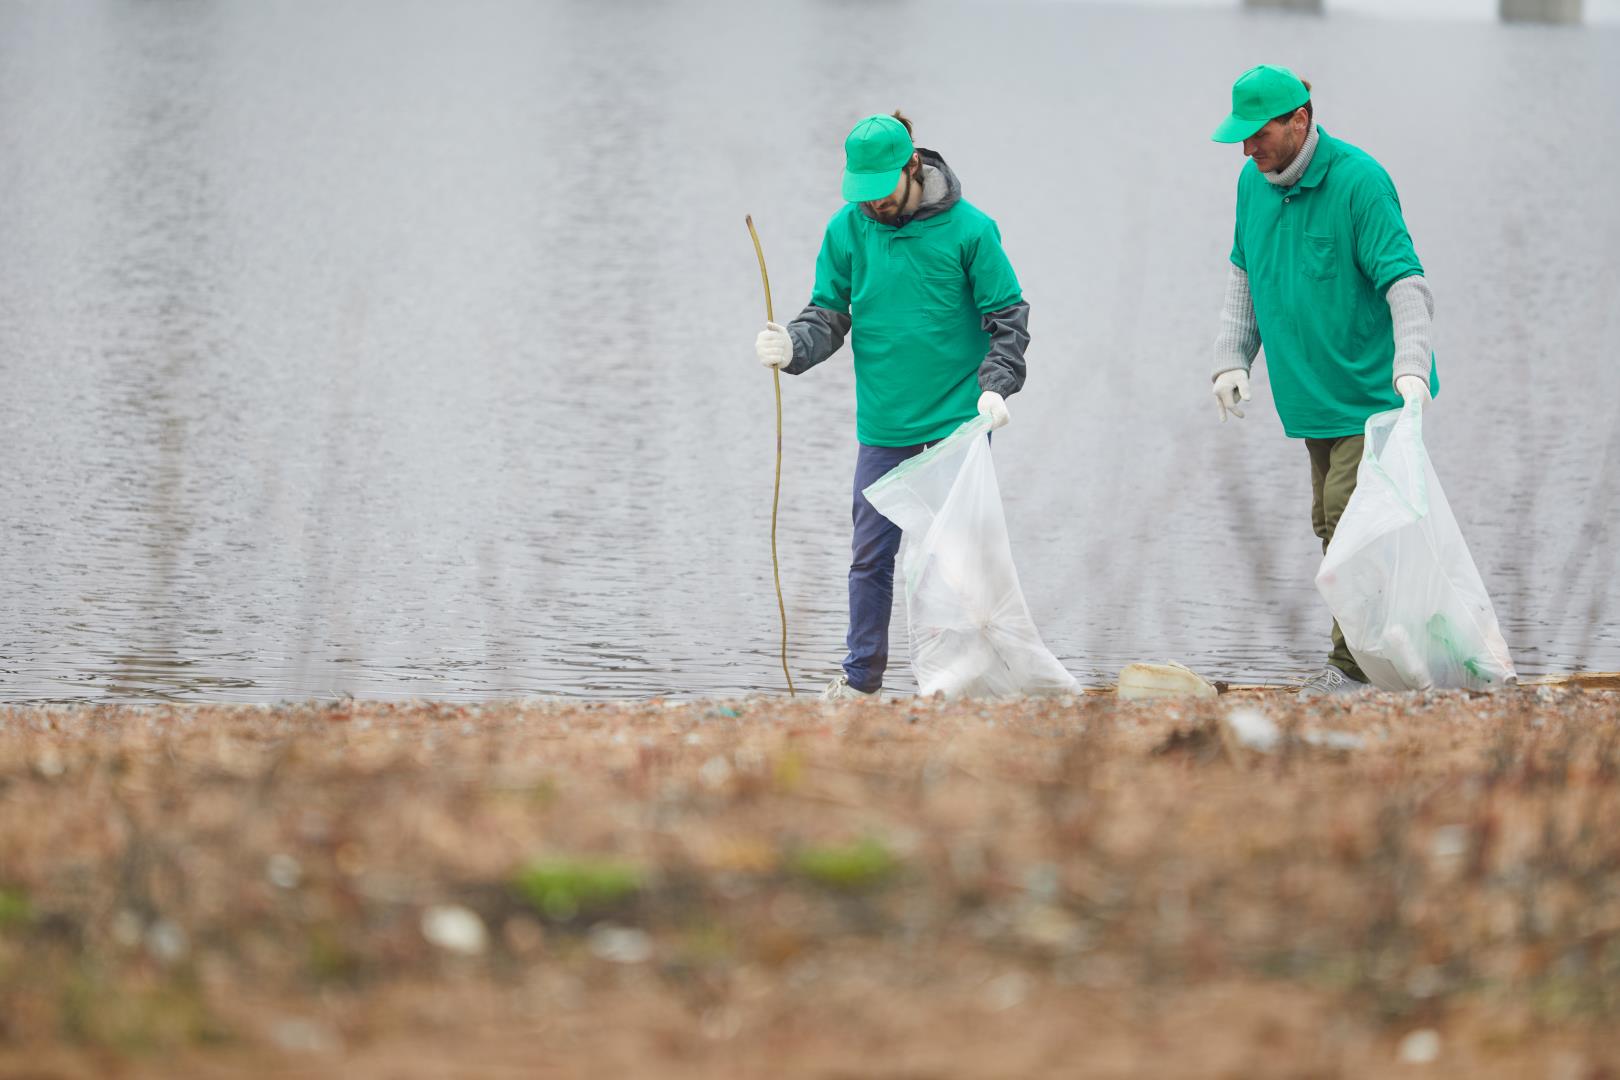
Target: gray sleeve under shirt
[817, 333]
[1004, 366]
[1411, 310]
[1238, 340]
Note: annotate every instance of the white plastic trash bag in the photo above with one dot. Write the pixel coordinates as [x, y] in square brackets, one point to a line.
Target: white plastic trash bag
[971, 634]
[1398, 575]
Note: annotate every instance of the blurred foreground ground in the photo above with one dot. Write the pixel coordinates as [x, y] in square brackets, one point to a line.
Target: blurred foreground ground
[1421, 885]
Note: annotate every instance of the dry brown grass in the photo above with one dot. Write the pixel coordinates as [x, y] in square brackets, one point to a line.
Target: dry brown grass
[1086, 888]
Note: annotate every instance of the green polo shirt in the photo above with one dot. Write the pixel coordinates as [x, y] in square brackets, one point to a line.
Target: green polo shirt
[916, 297]
[1320, 256]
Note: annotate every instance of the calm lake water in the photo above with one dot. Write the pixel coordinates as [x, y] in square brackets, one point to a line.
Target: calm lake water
[406, 349]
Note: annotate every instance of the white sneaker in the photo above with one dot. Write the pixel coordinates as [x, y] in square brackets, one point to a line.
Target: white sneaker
[1330, 682]
[840, 690]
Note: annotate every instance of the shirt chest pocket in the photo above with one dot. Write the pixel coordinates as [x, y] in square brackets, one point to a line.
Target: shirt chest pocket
[1321, 257]
[941, 280]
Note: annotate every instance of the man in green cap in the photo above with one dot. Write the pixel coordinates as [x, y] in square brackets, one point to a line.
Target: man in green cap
[939, 326]
[1324, 275]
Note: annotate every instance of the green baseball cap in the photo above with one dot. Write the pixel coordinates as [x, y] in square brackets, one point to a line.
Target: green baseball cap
[874, 153]
[1259, 96]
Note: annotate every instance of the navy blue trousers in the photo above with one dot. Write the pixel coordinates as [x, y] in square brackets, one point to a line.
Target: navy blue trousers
[871, 571]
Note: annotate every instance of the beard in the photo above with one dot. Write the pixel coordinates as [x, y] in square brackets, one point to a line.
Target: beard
[1289, 154]
[888, 210]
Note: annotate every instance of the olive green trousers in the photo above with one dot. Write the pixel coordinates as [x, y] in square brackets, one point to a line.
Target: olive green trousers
[1333, 478]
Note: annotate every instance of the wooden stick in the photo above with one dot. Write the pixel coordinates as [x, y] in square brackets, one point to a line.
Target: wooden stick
[776, 494]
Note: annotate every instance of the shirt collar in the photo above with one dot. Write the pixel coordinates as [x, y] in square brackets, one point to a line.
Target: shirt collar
[1321, 161]
[1288, 177]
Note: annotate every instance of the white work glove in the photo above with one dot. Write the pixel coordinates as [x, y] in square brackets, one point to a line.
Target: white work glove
[1414, 388]
[994, 406]
[1231, 387]
[773, 346]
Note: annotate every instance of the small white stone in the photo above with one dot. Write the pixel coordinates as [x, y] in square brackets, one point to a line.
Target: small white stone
[127, 929]
[283, 871]
[166, 941]
[620, 944]
[1334, 740]
[49, 763]
[303, 1036]
[455, 929]
[715, 772]
[1450, 842]
[1421, 1047]
[1006, 992]
[1043, 882]
[1254, 729]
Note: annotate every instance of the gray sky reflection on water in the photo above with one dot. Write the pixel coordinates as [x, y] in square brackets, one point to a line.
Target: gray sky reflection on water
[406, 350]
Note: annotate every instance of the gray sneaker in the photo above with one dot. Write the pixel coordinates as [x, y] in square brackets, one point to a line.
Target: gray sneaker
[1330, 682]
[840, 690]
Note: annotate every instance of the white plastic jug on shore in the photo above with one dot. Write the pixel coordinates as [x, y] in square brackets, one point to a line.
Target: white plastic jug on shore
[971, 632]
[1142, 681]
[1398, 577]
